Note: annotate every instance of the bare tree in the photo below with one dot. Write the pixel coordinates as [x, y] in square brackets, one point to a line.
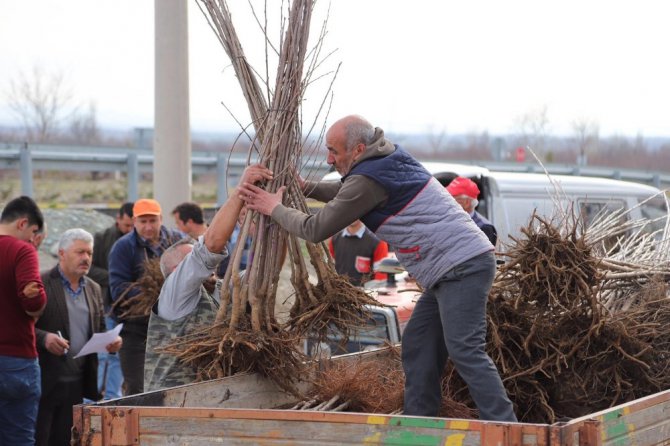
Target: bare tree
[84, 130]
[84, 127]
[42, 101]
[586, 135]
[478, 145]
[437, 141]
[533, 128]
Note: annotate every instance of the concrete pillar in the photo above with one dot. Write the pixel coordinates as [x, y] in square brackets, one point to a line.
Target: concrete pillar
[133, 177]
[26, 163]
[172, 132]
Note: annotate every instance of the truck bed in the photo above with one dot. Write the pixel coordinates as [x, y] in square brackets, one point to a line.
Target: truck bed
[245, 410]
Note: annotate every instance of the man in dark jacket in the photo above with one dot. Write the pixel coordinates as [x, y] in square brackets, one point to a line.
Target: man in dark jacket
[148, 240]
[73, 313]
[465, 192]
[434, 239]
[103, 241]
[110, 377]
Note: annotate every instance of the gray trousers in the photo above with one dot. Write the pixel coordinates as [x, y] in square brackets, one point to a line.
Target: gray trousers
[449, 321]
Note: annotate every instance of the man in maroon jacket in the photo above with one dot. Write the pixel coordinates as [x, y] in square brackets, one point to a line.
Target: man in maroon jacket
[22, 299]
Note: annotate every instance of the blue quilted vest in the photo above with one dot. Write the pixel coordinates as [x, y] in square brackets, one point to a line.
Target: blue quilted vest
[422, 223]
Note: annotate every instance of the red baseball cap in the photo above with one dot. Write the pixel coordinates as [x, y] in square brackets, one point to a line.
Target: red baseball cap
[463, 186]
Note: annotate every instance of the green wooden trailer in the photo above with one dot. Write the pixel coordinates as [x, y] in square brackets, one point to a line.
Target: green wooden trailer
[247, 410]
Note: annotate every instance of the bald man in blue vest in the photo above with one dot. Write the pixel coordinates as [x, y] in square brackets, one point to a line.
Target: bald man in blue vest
[434, 239]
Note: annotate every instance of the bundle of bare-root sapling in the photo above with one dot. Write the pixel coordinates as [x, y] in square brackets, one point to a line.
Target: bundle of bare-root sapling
[563, 342]
[147, 289]
[333, 307]
[246, 335]
[371, 385]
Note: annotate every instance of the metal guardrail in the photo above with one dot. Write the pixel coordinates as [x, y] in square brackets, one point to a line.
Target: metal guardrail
[29, 157]
[133, 161]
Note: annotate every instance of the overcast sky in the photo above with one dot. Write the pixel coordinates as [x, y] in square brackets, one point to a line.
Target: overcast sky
[421, 66]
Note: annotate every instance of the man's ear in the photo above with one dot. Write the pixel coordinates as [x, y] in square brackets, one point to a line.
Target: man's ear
[359, 149]
[21, 223]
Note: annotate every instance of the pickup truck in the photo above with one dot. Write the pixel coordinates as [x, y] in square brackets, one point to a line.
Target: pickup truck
[250, 410]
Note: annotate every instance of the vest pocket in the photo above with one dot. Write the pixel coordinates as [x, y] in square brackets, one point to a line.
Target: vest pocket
[413, 251]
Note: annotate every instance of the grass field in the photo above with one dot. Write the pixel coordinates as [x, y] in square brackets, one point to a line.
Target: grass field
[60, 189]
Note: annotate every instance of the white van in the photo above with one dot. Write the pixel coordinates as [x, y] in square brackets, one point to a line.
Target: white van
[508, 199]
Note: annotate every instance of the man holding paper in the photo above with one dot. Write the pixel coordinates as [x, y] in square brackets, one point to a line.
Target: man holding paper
[73, 314]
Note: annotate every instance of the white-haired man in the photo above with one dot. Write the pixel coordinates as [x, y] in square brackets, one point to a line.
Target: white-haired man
[73, 313]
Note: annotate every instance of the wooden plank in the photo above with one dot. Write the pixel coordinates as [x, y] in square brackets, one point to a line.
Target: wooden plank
[634, 425]
[120, 427]
[246, 390]
[242, 391]
[86, 431]
[642, 422]
[158, 425]
[315, 432]
[589, 433]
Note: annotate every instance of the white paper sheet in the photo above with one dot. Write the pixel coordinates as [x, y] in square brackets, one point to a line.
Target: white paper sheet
[99, 341]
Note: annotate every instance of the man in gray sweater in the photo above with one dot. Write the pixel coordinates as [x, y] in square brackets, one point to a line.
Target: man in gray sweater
[184, 304]
[436, 241]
